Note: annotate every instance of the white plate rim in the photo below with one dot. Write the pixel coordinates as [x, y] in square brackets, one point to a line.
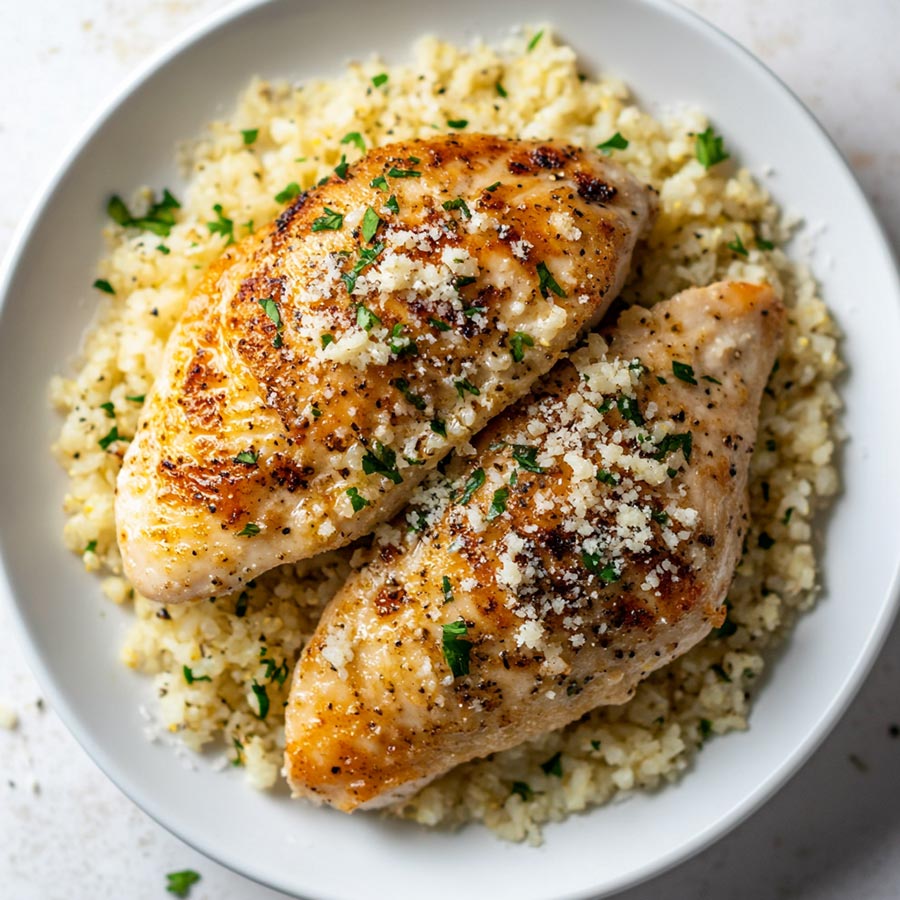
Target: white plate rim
[878, 631]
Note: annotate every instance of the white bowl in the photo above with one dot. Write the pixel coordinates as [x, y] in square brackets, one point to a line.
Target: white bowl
[72, 634]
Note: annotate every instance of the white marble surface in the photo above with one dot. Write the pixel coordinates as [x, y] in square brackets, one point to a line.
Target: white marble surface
[66, 832]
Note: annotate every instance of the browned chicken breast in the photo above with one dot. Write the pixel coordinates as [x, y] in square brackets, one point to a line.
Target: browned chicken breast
[327, 363]
[589, 540]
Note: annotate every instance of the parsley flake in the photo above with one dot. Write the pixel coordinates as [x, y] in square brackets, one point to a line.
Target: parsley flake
[456, 648]
[159, 218]
[163, 249]
[463, 386]
[737, 246]
[521, 789]
[593, 562]
[447, 589]
[354, 137]
[516, 342]
[357, 501]
[247, 458]
[414, 399]
[616, 142]
[394, 172]
[673, 442]
[270, 308]
[498, 503]
[709, 149]
[341, 168]
[547, 282]
[180, 883]
[262, 699]
[367, 255]
[493, 187]
[365, 318]
[763, 244]
[251, 529]
[605, 477]
[136, 398]
[103, 285]
[459, 204]
[393, 205]
[474, 481]
[439, 426]
[683, 371]
[457, 123]
[440, 324]
[190, 677]
[288, 193]
[526, 457]
[249, 135]
[553, 766]
[222, 225]
[370, 222]
[710, 379]
[629, 411]
[534, 41]
[110, 438]
[328, 221]
[381, 460]
[380, 79]
[91, 547]
[501, 91]
[109, 409]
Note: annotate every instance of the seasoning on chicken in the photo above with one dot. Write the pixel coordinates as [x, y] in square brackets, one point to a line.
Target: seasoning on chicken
[326, 364]
[590, 540]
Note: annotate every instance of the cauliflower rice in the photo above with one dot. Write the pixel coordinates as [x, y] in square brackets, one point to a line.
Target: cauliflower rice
[221, 667]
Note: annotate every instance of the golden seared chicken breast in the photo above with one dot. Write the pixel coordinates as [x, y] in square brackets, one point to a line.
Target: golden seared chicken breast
[589, 540]
[326, 364]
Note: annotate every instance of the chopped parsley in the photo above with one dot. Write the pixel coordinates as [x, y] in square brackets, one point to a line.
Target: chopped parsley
[190, 677]
[370, 222]
[710, 379]
[394, 172]
[326, 339]
[290, 191]
[341, 168]
[456, 648]
[534, 41]
[251, 529]
[629, 411]
[447, 589]
[380, 79]
[91, 547]
[354, 137]
[459, 204]
[605, 477]
[357, 501]
[365, 318]
[159, 218]
[381, 460]
[501, 91]
[367, 255]
[705, 728]
[249, 135]
[328, 221]
[464, 281]
[110, 438]
[440, 324]
[521, 789]
[616, 142]
[721, 672]
[393, 205]
[109, 409]
[593, 562]
[474, 481]
[493, 187]
[595, 745]
[136, 398]
[262, 699]
[660, 516]
[765, 540]
[709, 149]
[683, 371]
[400, 345]
[471, 311]
[222, 225]
[516, 342]
[787, 515]
[439, 426]
[464, 385]
[164, 249]
[103, 285]
[380, 182]
[547, 282]
[457, 123]
[553, 766]
[498, 503]
[402, 385]
[270, 308]
[674, 442]
[247, 458]
[763, 244]
[180, 883]
[316, 412]
[737, 246]
[526, 457]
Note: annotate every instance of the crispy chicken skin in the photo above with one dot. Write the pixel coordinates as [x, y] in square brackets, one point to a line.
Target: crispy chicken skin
[596, 545]
[329, 361]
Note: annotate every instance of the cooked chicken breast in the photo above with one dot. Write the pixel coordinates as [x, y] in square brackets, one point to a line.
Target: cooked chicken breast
[590, 540]
[327, 363]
